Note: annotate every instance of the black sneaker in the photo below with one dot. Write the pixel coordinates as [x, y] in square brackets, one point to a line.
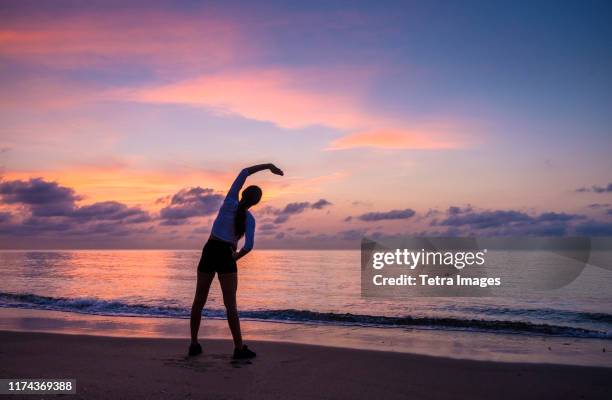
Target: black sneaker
[195, 349]
[243, 353]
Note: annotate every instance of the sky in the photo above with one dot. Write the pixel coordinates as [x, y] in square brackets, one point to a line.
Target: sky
[124, 123]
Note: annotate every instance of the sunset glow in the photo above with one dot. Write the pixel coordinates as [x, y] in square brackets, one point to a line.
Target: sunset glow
[375, 109]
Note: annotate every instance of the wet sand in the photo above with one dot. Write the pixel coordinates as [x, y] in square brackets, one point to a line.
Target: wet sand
[111, 367]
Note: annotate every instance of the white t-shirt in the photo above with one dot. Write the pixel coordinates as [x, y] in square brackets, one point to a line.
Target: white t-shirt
[223, 227]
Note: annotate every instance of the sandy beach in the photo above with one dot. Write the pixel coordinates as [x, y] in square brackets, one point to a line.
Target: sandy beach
[107, 367]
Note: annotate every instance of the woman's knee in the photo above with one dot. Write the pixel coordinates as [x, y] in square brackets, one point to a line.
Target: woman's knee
[230, 305]
[198, 302]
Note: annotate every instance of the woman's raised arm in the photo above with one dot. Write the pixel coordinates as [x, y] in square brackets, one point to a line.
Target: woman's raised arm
[273, 168]
[244, 174]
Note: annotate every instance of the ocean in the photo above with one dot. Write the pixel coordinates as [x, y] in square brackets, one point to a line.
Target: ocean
[287, 286]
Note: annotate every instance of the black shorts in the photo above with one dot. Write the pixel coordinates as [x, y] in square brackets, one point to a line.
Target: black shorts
[217, 256]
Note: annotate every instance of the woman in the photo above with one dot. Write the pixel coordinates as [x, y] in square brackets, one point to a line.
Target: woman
[219, 255]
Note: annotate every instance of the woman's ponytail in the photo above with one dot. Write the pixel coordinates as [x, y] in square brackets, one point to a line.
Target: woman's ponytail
[240, 221]
[250, 196]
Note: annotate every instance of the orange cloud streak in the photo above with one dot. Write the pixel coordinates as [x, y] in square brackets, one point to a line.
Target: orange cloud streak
[393, 140]
[130, 186]
[144, 187]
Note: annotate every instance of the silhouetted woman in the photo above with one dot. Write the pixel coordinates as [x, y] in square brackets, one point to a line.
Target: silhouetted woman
[219, 255]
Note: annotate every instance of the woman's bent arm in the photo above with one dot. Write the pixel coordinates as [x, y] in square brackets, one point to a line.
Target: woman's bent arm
[241, 178]
[260, 167]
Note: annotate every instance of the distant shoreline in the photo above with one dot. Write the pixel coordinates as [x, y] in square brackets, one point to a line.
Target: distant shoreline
[454, 344]
[198, 249]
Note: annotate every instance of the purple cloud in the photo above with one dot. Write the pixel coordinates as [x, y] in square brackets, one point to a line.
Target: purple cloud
[351, 234]
[42, 197]
[111, 210]
[51, 208]
[5, 217]
[385, 215]
[594, 228]
[320, 204]
[468, 222]
[596, 206]
[283, 214]
[596, 189]
[190, 202]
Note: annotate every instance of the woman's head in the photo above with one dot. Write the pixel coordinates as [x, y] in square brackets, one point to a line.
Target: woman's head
[251, 196]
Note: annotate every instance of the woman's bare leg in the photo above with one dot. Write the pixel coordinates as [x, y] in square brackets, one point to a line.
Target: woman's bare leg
[203, 286]
[229, 285]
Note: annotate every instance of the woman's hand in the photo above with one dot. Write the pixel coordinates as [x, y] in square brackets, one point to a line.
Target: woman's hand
[275, 170]
[239, 254]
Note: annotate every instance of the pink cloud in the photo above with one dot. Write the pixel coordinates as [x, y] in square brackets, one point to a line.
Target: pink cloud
[175, 45]
[107, 38]
[290, 99]
[299, 98]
